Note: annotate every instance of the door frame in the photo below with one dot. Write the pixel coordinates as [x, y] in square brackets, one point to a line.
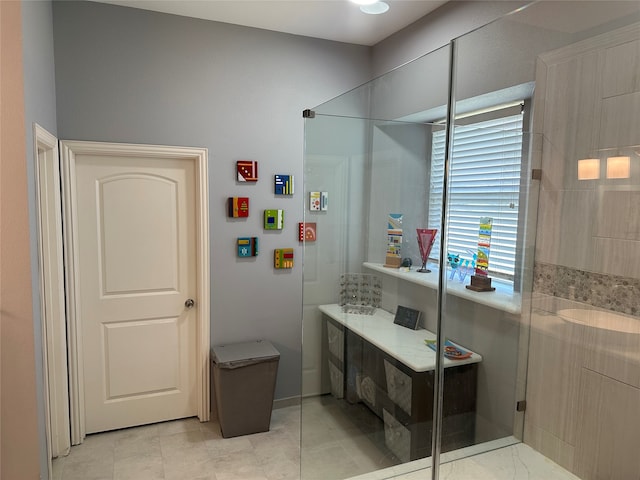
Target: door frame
[52, 295]
[68, 150]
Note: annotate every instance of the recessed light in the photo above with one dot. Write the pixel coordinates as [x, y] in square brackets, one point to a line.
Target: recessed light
[375, 8]
[364, 2]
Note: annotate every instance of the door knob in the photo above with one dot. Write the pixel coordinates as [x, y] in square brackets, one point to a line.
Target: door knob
[189, 303]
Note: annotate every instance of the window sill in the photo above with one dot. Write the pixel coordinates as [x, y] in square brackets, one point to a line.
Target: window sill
[503, 298]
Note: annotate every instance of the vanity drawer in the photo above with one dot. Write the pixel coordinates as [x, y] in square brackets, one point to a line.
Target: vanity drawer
[335, 340]
[337, 381]
[397, 437]
[399, 386]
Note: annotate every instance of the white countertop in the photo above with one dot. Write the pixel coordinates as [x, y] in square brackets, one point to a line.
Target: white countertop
[502, 298]
[403, 344]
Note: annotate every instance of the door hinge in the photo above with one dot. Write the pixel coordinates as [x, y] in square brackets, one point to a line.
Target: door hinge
[521, 406]
[308, 113]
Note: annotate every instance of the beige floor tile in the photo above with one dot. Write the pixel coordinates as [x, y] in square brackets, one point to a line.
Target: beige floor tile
[333, 450]
[220, 447]
[189, 470]
[93, 469]
[140, 467]
[238, 466]
[133, 447]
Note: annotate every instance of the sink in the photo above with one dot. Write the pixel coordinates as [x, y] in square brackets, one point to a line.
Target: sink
[614, 322]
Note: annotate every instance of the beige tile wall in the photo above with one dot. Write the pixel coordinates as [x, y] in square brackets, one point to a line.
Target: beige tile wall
[591, 103]
[583, 391]
[608, 429]
[583, 384]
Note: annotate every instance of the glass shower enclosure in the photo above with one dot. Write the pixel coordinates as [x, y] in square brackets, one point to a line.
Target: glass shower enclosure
[472, 255]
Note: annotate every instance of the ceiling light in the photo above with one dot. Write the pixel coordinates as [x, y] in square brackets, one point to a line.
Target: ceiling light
[375, 8]
[364, 2]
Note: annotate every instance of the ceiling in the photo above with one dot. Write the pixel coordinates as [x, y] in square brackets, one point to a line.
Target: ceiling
[338, 20]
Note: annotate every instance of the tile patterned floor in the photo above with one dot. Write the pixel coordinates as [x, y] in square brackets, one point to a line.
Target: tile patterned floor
[502, 460]
[335, 445]
[187, 450]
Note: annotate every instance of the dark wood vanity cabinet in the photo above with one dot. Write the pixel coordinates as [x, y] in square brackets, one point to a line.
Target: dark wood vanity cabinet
[403, 398]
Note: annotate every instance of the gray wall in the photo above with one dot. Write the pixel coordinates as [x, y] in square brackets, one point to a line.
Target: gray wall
[128, 75]
[431, 32]
[40, 107]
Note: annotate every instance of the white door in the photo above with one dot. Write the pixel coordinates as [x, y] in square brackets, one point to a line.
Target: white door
[135, 251]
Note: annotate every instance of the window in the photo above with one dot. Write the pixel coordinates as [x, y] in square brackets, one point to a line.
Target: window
[484, 182]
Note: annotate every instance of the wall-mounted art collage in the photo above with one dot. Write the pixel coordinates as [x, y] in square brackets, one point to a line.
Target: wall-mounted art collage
[318, 201]
[238, 208]
[283, 184]
[247, 171]
[247, 246]
[307, 231]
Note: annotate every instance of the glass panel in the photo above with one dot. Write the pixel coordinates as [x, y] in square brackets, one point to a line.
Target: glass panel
[368, 382]
[560, 332]
[546, 334]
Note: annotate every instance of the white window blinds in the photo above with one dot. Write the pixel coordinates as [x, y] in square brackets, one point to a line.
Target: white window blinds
[484, 182]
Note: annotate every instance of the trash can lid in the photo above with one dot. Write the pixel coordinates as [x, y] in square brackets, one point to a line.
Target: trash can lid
[242, 354]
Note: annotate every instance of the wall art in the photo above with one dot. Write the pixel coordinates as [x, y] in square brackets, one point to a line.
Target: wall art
[283, 184]
[461, 266]
[307, 232]
[318, 201]
[273, 219]
[283, 258]
[394, 241]
[247, 170]
[481, 282]
[247, 246]
[238, 207]
[484, 246]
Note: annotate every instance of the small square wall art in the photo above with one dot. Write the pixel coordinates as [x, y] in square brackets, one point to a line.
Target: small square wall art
[283, 184]
[247, 170]
[247, 246]
[283, 258]
[273, 219]
[318, 201]
[307, 232]
[238, 207]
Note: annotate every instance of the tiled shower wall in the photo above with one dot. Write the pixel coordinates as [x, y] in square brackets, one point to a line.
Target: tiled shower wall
[588, 234]
[611, 292]
[583, 379]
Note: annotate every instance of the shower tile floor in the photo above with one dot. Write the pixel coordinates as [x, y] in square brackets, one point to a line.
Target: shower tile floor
[335, 445]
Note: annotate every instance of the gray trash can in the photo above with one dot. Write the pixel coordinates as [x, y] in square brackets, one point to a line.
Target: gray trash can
[244, 381]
